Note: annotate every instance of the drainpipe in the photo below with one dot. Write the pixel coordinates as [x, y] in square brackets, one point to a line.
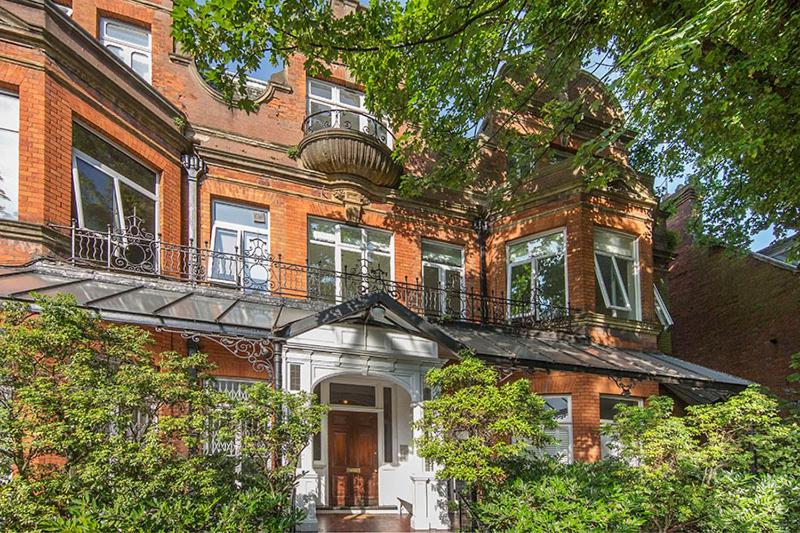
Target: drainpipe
[195, 168]
[482, 229]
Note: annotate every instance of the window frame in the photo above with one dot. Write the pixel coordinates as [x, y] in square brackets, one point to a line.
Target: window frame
[534, 261]
[442, 270]
[338, 246]
[604, 439]
[566, 424]
[240, 230]
[635, 306]
[335, 103]
[14, 202]
[86, 158]
[128, 47]
[661, 309]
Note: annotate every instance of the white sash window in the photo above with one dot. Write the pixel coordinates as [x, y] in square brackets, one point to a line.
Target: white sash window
[537, 275]
[131, 44]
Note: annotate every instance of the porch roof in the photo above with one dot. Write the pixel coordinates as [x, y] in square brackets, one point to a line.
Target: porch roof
[156, 302]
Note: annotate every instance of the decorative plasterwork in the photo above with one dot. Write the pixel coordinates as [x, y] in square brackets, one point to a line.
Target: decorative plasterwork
[353, 201]
[258, 352]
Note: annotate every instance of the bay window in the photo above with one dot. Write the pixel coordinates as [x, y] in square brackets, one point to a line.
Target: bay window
[111, 188]
[240, 244]
[443, 278]
[616, 262]
[537, 276]
[346, 261]
[131, 44]
[609, 442]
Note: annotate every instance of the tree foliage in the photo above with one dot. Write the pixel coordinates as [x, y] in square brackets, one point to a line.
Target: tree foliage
[731, 466]
[475, 427]
[710, 87]
[102, 434]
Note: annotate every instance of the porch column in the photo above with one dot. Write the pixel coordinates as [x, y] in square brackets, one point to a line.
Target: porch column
[429, 501]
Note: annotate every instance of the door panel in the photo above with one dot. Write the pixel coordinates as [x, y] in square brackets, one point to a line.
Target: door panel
[353, 459]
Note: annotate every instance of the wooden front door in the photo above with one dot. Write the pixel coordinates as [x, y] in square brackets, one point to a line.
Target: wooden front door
[353, 458]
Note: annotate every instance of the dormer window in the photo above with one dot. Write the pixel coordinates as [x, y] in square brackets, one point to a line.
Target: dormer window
[131, 44]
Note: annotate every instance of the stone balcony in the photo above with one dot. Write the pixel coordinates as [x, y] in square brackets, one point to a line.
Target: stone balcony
[341, 142]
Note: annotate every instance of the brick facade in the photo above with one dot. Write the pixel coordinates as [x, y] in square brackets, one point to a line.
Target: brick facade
[63, 78]
[736, 313]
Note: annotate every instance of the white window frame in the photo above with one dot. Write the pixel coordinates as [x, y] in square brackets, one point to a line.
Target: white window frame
[534, 267]
[335, 103]
[442, 270]
[606, 439]
[117, 178]
[340, 246]
[127, 47]
[635, 305]
[240, 230]
[563, 424]
[14, 198]
[662, 312]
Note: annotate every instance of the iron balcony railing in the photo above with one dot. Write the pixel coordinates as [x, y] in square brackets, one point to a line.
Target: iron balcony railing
[254, 270]
[345, 119]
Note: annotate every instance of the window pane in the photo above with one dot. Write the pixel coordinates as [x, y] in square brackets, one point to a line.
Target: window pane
[560, 448]
[224, 265]
[520, 288]
[608, 406]
[440, 254]
[379, 240]
[241, 215]
[98, 149]
[614, 243]
[135, 203]
[294, 377]
[559, 404]
[550, 285]
[380, 267]
[140, 63]
[321, 280]
[128, 33]
[351, 236]
[518, 252]
[9, 112]
[117, 51]
[256, 261]
[322, 230]
[539, 247]
[349, 394]
[352, 274]
[349, 98]
[9, 173]
[97, 197]
[453, 305]
[430, 280]
[323, 90]
[609, 279]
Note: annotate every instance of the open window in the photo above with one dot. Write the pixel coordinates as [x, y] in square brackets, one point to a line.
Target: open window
[661, 310]
[443, 279]
[616, 262]
[240, 243]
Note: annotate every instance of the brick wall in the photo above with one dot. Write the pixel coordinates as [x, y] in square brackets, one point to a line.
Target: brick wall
[732, 312]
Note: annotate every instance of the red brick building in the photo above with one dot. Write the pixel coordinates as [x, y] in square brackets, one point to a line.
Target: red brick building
[733, 312]
[278, 243]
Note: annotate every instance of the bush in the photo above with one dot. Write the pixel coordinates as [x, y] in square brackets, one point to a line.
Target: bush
[104, 435]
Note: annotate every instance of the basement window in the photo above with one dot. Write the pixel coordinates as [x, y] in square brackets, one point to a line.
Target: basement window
[616, 262]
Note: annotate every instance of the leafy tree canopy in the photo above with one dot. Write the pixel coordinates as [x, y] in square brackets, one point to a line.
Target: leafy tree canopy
[710, 87]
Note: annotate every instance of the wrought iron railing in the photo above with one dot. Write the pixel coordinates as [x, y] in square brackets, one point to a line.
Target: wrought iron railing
[346, 119]
[135, 250]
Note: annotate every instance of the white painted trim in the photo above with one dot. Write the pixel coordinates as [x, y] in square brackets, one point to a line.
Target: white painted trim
[240, 230]
[634, 303]
[534, 263]
[442, 272]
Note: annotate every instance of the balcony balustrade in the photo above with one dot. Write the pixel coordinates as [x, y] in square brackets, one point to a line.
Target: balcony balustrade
[342, 142]
[255, 271]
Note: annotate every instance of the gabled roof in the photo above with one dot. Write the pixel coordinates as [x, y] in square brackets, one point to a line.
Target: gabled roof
[392, 314]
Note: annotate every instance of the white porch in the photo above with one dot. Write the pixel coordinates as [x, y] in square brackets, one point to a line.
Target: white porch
[364, 459]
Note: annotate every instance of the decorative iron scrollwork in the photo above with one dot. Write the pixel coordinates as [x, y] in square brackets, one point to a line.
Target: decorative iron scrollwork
[258, 352]
[626, 385]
